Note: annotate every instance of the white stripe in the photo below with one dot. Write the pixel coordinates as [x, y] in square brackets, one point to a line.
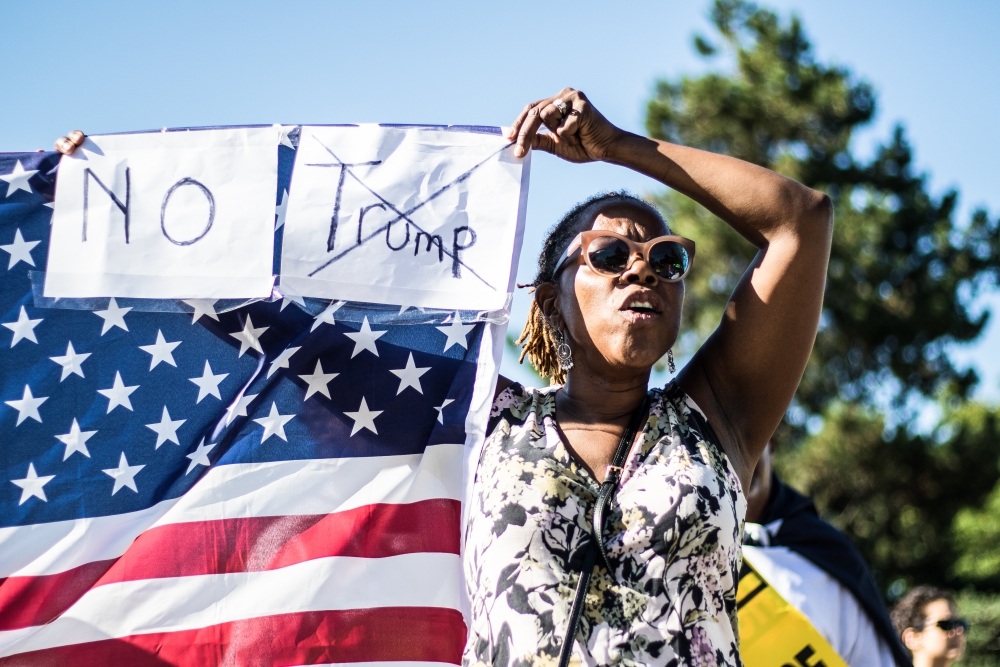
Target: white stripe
[47, 548]
[282, 488]
[187, 603]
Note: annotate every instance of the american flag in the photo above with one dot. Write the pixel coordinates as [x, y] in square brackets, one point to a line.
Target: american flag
[207, 483]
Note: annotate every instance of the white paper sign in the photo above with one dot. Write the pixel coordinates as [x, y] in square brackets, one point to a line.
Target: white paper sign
[171, 215]
[404, 216]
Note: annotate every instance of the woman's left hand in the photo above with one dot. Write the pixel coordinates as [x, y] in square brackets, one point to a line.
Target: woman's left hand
[66, 145]
[577, 131]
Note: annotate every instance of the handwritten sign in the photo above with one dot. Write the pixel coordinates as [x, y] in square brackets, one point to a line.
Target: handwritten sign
[166, 215]
[419, 217]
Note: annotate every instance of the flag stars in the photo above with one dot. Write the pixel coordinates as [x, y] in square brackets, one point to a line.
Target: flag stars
[113, 317]
[23, 328]
[289, 296]
[409, 376]
[364, 418]
[317, 382]
[283, 134]
[440, 409]
[280, 210]
[18, 179]
[32, 486]
[274, 423]
[76, 440]
[166, 429]
[239, 407]
[161, 350]
[281, 361]
[70, 362]
[124, 475]
[27, 406]
[199, 457]
[326, 317]
[208, 383]
[118, 394]
[202, 307]
[249, 337]
[19, 250]
[457, 332]
[365, 339]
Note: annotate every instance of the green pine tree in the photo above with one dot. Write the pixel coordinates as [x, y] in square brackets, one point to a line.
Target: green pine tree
[903, 271]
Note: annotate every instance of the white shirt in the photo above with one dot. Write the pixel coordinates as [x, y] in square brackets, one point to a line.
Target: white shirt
[831, 608]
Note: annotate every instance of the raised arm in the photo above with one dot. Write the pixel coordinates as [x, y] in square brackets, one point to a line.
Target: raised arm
[745, 375]
[748, 370]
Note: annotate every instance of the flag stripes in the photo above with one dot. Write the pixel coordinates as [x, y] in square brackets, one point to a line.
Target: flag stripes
[276, 489]
[285, 489]
[356, 636]
[228, 546]
[186, 603]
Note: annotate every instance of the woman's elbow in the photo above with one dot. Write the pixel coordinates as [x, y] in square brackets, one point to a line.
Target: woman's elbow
[819, 211]
[811, 218]
[809, 222]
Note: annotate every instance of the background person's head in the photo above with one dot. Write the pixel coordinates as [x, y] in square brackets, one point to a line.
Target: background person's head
[592, 310]
[926, 621]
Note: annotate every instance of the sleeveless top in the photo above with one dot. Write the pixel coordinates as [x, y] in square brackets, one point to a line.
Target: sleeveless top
[673, 537]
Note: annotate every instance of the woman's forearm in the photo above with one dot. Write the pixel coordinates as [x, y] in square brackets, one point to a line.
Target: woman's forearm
[759, 203]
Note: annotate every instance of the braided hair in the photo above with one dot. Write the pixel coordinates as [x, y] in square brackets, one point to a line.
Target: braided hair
[538, 339]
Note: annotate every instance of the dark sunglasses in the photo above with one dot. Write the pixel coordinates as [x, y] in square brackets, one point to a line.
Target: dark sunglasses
[610, 254]
[952, 624]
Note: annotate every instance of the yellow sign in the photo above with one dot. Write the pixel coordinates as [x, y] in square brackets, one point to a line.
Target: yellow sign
[773, 633]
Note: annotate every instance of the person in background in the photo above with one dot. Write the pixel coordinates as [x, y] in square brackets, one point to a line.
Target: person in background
[817, 570]
[926, 621]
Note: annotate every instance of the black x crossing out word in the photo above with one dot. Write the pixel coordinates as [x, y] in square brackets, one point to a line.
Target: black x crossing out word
[463, 237]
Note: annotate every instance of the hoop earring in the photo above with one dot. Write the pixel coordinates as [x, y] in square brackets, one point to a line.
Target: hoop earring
[564, 353]
[670, 361]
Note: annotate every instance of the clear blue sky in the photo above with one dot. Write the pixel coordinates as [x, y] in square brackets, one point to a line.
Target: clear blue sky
[116, 66]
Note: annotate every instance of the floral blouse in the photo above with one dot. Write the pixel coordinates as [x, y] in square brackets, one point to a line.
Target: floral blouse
[673, 536]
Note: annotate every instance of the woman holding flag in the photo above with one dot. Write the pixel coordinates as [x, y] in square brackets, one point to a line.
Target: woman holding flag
[606, 517]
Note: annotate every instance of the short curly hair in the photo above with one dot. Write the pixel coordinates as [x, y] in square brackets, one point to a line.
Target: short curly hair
[911, 610]
[537, 340]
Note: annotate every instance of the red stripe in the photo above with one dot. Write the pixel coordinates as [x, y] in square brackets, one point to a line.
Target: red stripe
[240, 545]
[389, 634]
[27, 601]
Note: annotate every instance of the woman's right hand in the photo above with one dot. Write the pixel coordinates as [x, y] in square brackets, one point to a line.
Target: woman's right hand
[577, 133]
[66, 145]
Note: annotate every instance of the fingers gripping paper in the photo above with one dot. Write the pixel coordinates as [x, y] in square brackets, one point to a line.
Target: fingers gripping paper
[413, 216]
[166, 215]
